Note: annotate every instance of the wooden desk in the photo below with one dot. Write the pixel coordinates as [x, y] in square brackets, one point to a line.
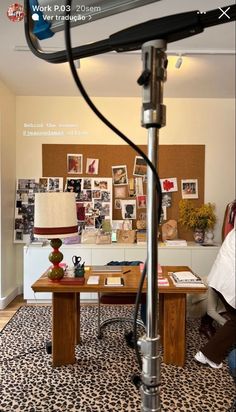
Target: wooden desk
[66, 313]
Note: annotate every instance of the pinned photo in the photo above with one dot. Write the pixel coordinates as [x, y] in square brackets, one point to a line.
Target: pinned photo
[105, 196]
[87, 184]
[166, 200]
[120, 192]
[119, 174]
[100, 184]
[55, 184]
[142, 201]
[43, 184]
[92, 166]
[128, 208]
[140, 166]
[74, 163]
[74, 185]
[117, 204]
[169, 184]
[189, 188]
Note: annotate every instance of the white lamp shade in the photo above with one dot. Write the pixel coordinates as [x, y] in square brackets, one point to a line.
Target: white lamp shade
[55, 215]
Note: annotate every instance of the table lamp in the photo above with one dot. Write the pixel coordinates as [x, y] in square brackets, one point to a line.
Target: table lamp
[55, 218]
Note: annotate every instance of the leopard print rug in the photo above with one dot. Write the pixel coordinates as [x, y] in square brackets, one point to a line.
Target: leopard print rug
[101, 379]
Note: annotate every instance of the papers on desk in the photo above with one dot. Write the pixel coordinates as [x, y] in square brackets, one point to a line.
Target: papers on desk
[114, 281]
[163, 281]
[186, 279]
[93, 280]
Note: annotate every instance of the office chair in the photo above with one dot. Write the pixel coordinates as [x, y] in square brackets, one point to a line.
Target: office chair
[107, 298]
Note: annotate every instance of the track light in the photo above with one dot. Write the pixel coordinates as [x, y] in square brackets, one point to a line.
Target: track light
[77, 64]
[179, 62]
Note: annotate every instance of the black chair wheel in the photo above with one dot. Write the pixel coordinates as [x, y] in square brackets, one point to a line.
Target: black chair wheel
[48, 347]
[129, 337]
[136, 380]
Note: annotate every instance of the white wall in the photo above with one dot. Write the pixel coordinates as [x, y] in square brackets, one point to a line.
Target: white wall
[8, 273]
[189, 121]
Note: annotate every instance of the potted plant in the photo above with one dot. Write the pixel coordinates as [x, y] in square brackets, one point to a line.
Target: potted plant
[200, 219]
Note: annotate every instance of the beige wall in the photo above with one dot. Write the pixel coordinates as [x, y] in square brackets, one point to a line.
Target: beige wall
[8, 273]
[189, 121]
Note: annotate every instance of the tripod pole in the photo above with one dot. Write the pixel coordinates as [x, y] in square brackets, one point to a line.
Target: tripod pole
[153, 118]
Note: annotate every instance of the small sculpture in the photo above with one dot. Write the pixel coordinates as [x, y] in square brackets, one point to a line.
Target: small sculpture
[169, 230]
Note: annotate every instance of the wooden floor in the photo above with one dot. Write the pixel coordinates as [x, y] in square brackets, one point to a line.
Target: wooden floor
[7, 313]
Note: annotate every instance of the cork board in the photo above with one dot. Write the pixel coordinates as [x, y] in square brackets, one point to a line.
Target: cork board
[179, 161]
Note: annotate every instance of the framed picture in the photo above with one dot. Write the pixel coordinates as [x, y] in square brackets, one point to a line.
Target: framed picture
[74, 164]
[189, 188]
[119, 174]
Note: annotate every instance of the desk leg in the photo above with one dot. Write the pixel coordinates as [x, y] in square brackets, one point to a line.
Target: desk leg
[77, 319]
[63, 328]
[174, 328]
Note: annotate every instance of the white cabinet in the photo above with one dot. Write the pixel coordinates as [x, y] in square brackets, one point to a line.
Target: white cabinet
[103, 254]
[198, 258]
[175, 256]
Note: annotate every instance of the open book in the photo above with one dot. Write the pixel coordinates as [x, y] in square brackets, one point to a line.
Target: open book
[114, 281]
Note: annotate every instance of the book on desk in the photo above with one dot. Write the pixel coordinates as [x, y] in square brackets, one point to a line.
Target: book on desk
[186, 279]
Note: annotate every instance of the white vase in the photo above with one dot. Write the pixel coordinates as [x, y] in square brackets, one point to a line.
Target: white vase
[209, 237]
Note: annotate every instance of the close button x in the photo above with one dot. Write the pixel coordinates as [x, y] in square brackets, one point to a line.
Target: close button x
[224, 12]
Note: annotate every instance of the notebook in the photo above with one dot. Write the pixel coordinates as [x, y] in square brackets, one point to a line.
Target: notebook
[105, 268]
[116, 281]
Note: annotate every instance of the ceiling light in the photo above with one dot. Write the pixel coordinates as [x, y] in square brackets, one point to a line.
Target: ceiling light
[179, 62]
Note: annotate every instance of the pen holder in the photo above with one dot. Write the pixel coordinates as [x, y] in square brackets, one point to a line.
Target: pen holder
[79, 271]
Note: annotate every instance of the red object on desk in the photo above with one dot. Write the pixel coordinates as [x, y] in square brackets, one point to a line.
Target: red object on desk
[72, 281]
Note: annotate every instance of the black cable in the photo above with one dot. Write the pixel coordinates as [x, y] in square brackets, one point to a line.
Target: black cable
[136, 309]
[90, 102]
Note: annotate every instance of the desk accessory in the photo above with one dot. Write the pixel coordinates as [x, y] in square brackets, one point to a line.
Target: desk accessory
[78, 268]
[79, 271]
[55, 218]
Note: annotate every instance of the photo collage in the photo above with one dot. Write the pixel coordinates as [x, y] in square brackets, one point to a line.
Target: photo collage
[93, 202]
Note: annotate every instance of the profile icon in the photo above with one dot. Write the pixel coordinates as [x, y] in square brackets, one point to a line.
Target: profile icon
[15, 12]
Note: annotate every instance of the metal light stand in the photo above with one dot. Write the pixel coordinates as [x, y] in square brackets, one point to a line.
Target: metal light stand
[153, 118]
